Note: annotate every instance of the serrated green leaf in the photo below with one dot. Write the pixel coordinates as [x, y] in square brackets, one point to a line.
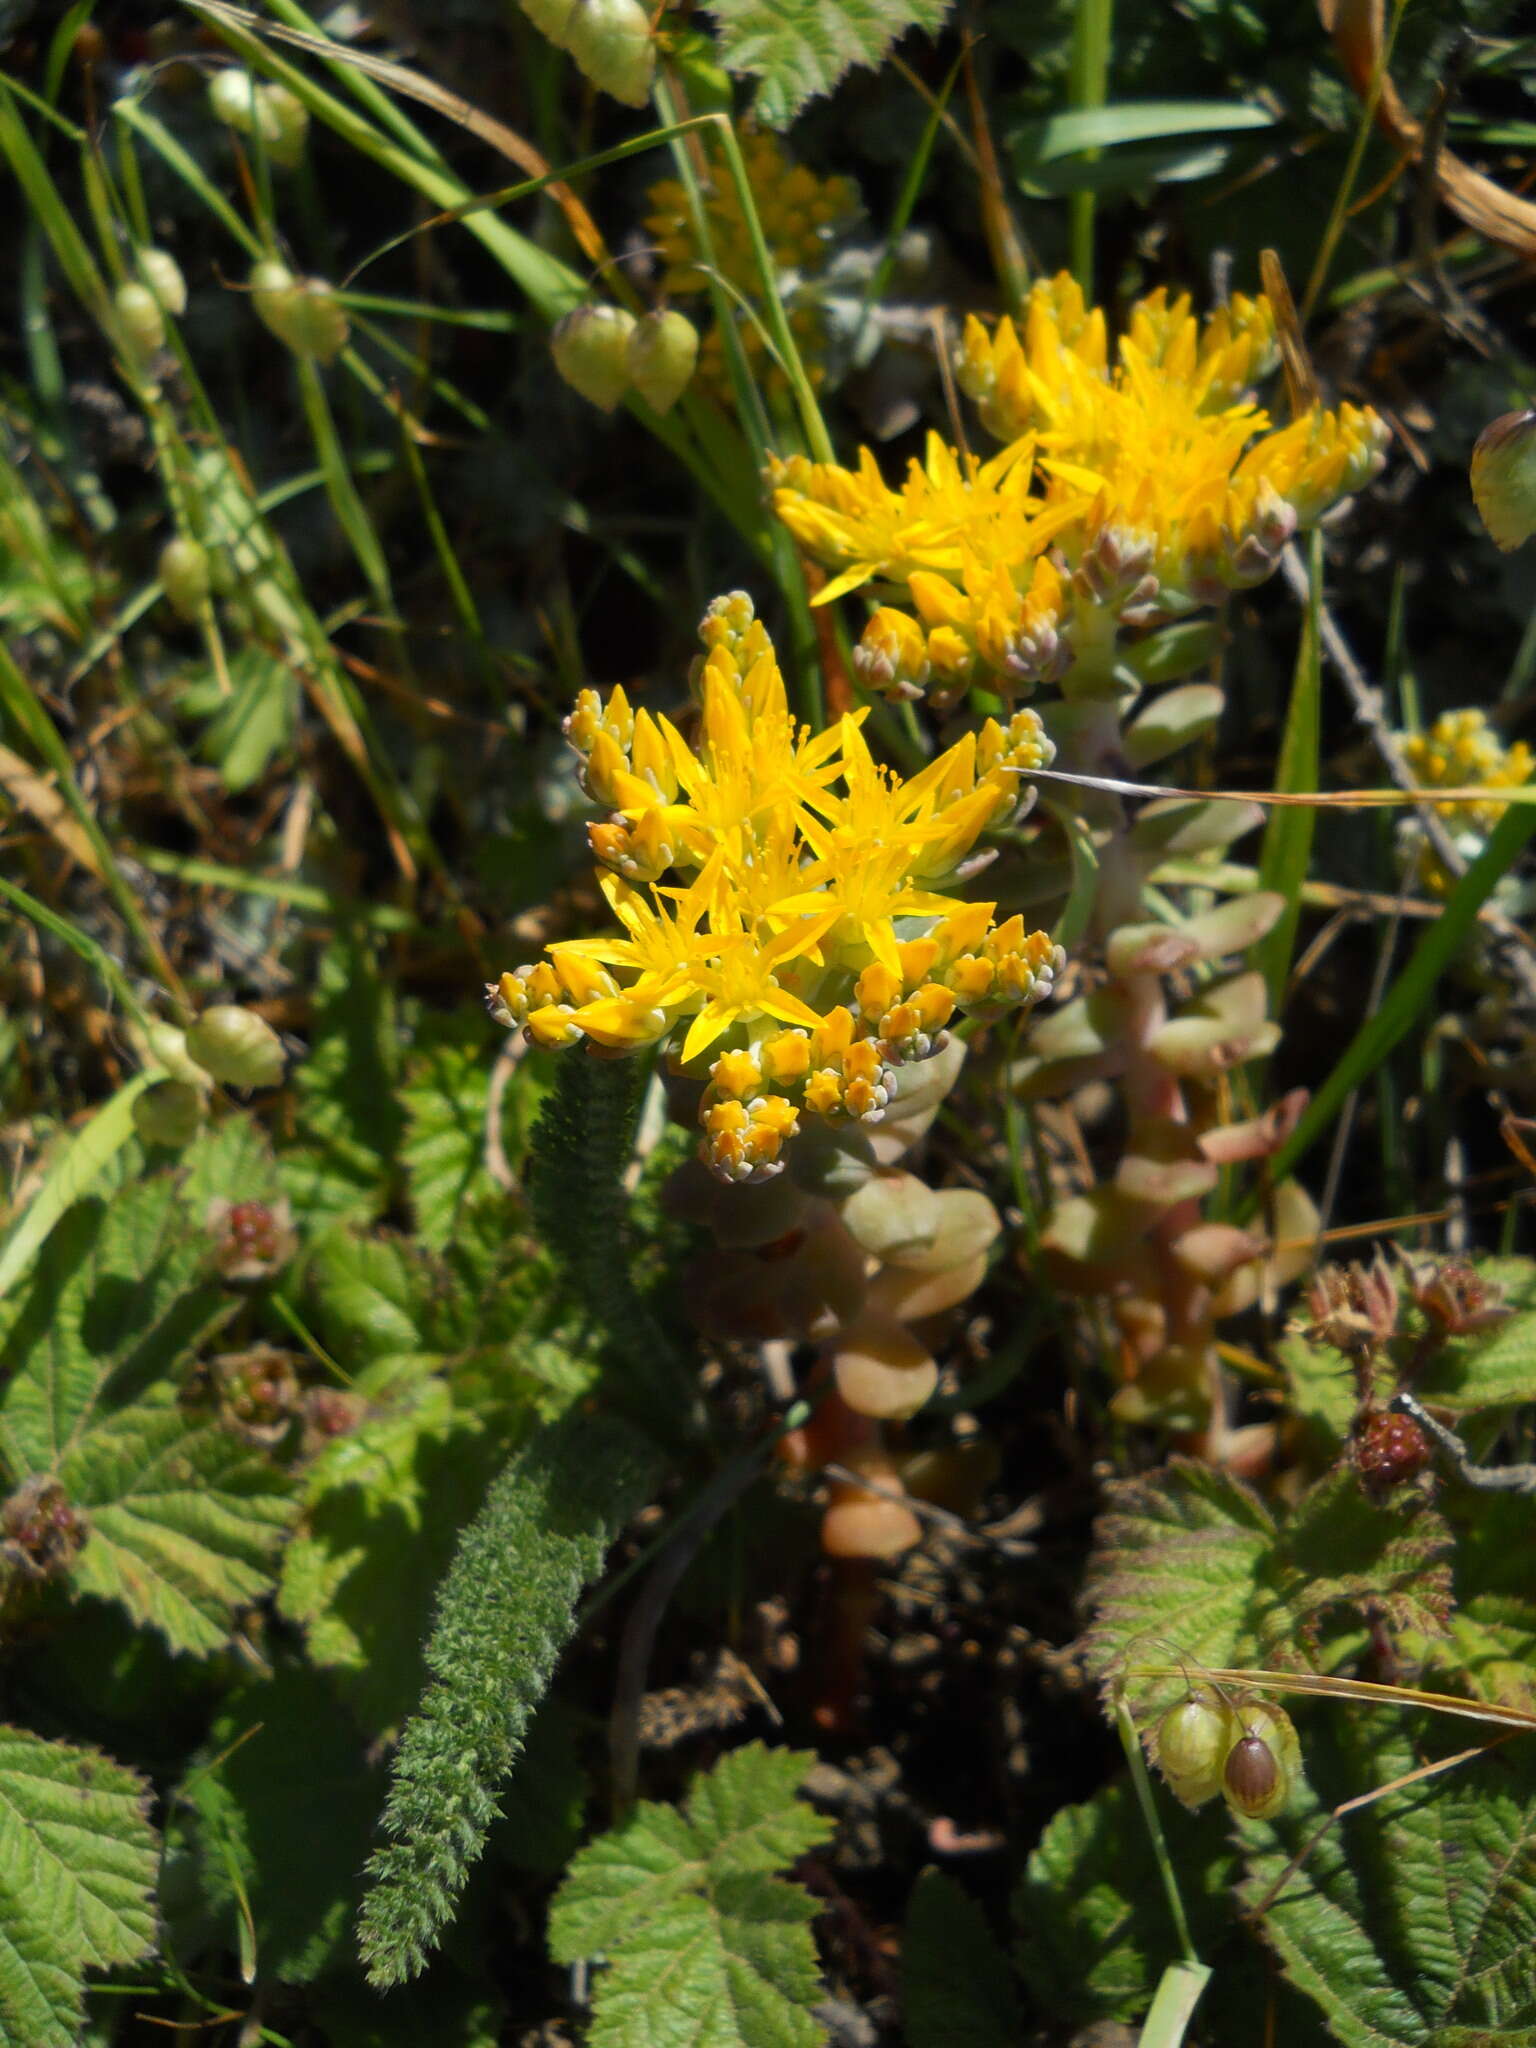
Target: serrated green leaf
[77, 1874]
[702, 1943]
[1190, 1563]
[956, 1987]
[1413, 1922]
[350, 1120]
[801, 48]
[1094, 1930]
[184, 1520]
[285, 1800]
[116, 1298]
[1323, 1396]
[369, 1292]
[443, 1150]
[1491, 1650]
[1496, 1368]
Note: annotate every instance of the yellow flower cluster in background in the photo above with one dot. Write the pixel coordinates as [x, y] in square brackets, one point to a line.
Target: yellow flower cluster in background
[1136, 489]
[1461, 751]
[802, 217]
[809, 947]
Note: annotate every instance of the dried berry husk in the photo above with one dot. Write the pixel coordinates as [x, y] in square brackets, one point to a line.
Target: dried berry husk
[303, 312]
[237, 1047]
[42, 1531]
[1193, 1740]
[591, 351]
[185, 576]
[663, 353]
[1263, 1765]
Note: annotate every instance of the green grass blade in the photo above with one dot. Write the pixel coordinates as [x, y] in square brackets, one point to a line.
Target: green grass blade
[1287, 849]
[1411, 995]
[74, 1169]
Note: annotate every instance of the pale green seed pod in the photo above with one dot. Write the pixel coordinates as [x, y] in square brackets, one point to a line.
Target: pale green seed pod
[612, 43]
[159, 1044]
[1504, 478]
[140, 319]
[591, 351]
[1263, 1764]
[663, 352]
[184, 576]
[169, 1114]
[1193, 1741]
[162, 273]
[250, 108]
[303, 312]
[237, 1047]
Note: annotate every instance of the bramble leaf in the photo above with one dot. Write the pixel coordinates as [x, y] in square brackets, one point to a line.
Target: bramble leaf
[185, 1521]
[702, 1942]
[112, 1303]
[1190, 1563]
[443, 1150]
[77, 1875]
[1413, 1923]
[1494, 1368]
[1094, 1931]
[956, 1985]
[801, 48]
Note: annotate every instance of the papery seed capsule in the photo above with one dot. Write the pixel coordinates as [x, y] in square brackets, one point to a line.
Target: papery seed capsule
[1504, 478]
[1263, 1764]
[237, 1047]
[184, 576]
[168, 1114]
[663, 351]
[612, 43]
[303, 312]
[591, 351]
[281, 119]
[162, 273]
[1193, 1739]
[140, 318]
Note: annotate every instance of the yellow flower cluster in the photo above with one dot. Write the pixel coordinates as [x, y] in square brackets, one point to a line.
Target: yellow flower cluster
[1154, 484]
[801, 217]
[809, 948]
[1461, 751]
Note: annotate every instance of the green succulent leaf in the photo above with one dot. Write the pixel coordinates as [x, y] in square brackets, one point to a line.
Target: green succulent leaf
[77, 1875]
[801, 48]
[702, 1942]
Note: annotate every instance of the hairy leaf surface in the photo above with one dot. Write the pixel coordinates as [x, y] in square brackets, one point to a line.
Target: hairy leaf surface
[702, 1942]
[77, 1874]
